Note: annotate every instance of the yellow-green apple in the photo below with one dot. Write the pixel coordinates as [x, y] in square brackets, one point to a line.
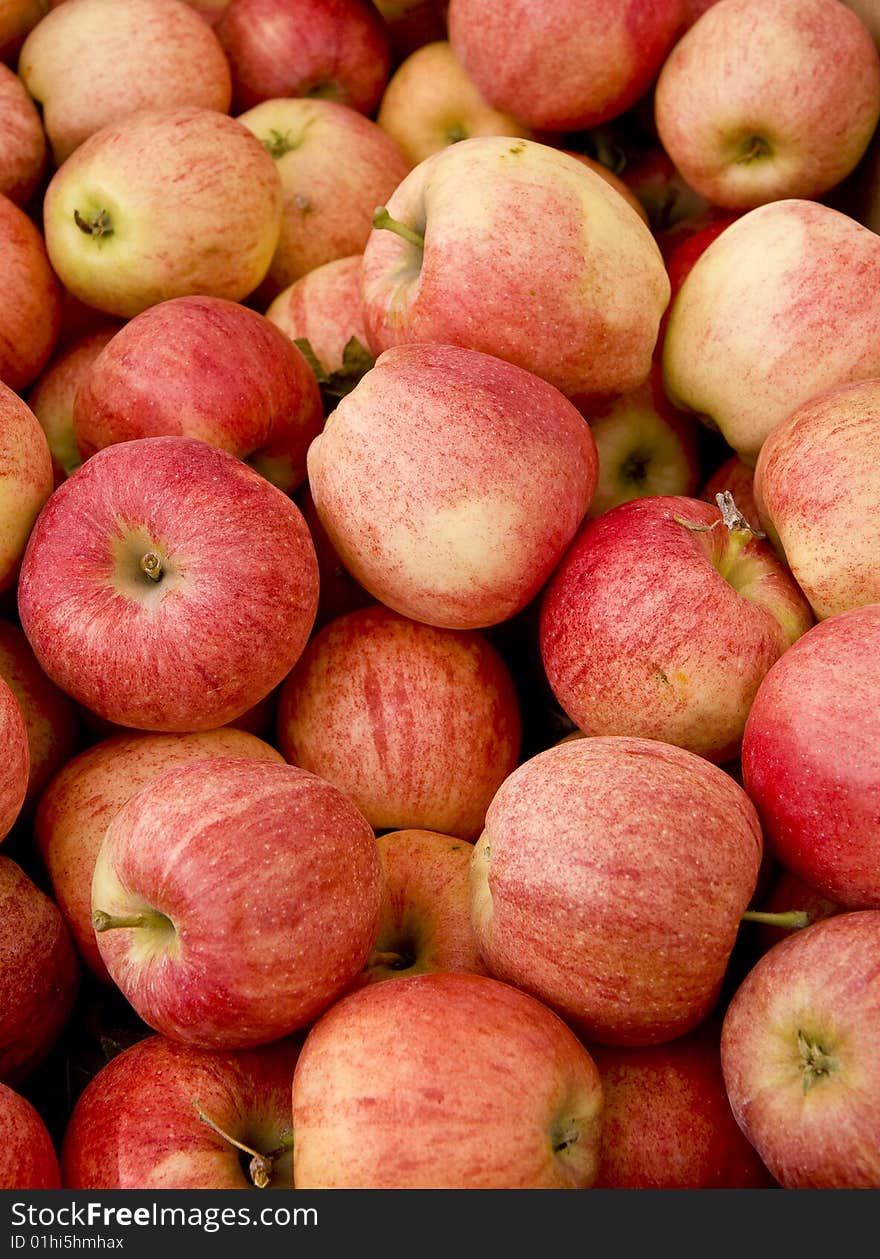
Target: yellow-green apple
[799, 1055]
[208, 368]
[426, 917]
[39, 974]
[14, 770]
[817, 487]
[681, 246]
[90, 63]
[166, 203]
[645, 446]
[431, 102]
[811, 757]
[52, 395]
[661, 621]
[726, 113]
[601, 856]
[667, 1122]
[22, 140]
[565, 66]
[17, 17]
[30, 313]
[776, 262]
[235, 900]
[417, 725]
[28, 1159]
[432, 479]
[737, 478]
[162, 1115]
[334, 166]
[26, 480]
[88, 791]
[444, 1081]
[132, 589]
[786, 902]
[491, 226]
[334, 50]
[338, 591]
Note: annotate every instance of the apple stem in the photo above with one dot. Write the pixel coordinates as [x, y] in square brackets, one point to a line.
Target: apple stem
[99, 225]
[103, 921]
[793, 918]
[382, 219]
[151, 565]
[260, 1166]
[733, 517]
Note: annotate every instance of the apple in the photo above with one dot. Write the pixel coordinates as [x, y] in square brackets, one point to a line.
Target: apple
[28, 1159]
[431, 102]
[209, 10]
[726, 113]
[39, 974]
[30, 313]
[426, 917]
[574, 295]
[338, 591]
[670, 203]
[734, 476]
[208, 368]
[681, 246]
[616, 182]
[22, 140]
[411, 23]
[131, 588]
[235, 900]
[87, 792]
[785, 897]
[567, 66]
[417, 725]
[444, 1081]
[17, 17]
[335, 166]
[817, 487]
[161, 1115]
[811, 758]
[783, 305]
[661, 621]
[667, 1122]
[90, 63]
[433, 476]
[334, 50]
[14, 769]
[166, 203]
[610, 881]
[798, 1051]
[26, 480]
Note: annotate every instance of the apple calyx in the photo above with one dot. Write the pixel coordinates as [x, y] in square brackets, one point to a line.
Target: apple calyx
[791, 918]
[99, 225]
[261, 1166]
[383, 220]
[103, 921]
[817, 1064]
[563, 1135]
[753, 149]
[456, 131]
[278, 143]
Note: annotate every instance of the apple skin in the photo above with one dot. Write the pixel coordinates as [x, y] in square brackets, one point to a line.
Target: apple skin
[26, 480]
[177, 652]
[811, 758]
[136, 1124]
[585, 62]
[14, 769]
[39, 974]
[335, 166]
[432, 479]
[426, 914]
[755, 140]
[207, 368]
[661, 622]
[786, 892]
[28, 1159]
[743, 376]
[30, 315]
[175, 202]
[600, 855]
[417, 725]
[23, 153]
[798, 1051]
[95, 62]
[323, 307]
[817, 485]
[573, 247]
[339, 593]
[17, 17]
[667, 1123]
[88, 791]
[444, 1081]
[335, 50]
[267, 856]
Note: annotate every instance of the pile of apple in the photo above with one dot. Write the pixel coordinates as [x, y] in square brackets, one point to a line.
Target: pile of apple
[440, 623]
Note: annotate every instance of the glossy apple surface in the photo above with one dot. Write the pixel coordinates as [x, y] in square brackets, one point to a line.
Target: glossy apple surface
[28, 1159]
[26, 481]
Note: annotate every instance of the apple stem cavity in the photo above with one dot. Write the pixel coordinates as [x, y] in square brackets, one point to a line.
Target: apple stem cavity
[99, 225]
[564, 1136]
[394, 961]
[383, 220]
[151, 566]
[792, 918]
[260, 1165]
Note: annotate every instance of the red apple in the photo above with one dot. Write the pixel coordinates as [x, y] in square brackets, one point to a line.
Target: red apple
[26, 478]
[444, 1081]
[22, 140]
[28, 1159]
[30, 312]
[17, 17]
[417, 725]
[601, 856]
[787, 895]
[132, 589]
[323, 307]
[14, 768]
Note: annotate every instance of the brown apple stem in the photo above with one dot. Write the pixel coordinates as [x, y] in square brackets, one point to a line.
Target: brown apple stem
[98, 225]
[260, 1166]
[103, 921]
[382, 219]
[151, 566]
[793, 918]
[385, 959]
[733, 517]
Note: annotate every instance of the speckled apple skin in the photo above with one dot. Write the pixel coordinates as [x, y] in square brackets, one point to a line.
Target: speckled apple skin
[433, 477]
[610, 881]
[419, 726]
[26, 479]
[811, 758]
[30, 315]
[15, 763]
[23, 151]
[823, 982]
[324, 307]
[443, 1081]
[28, 1159]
